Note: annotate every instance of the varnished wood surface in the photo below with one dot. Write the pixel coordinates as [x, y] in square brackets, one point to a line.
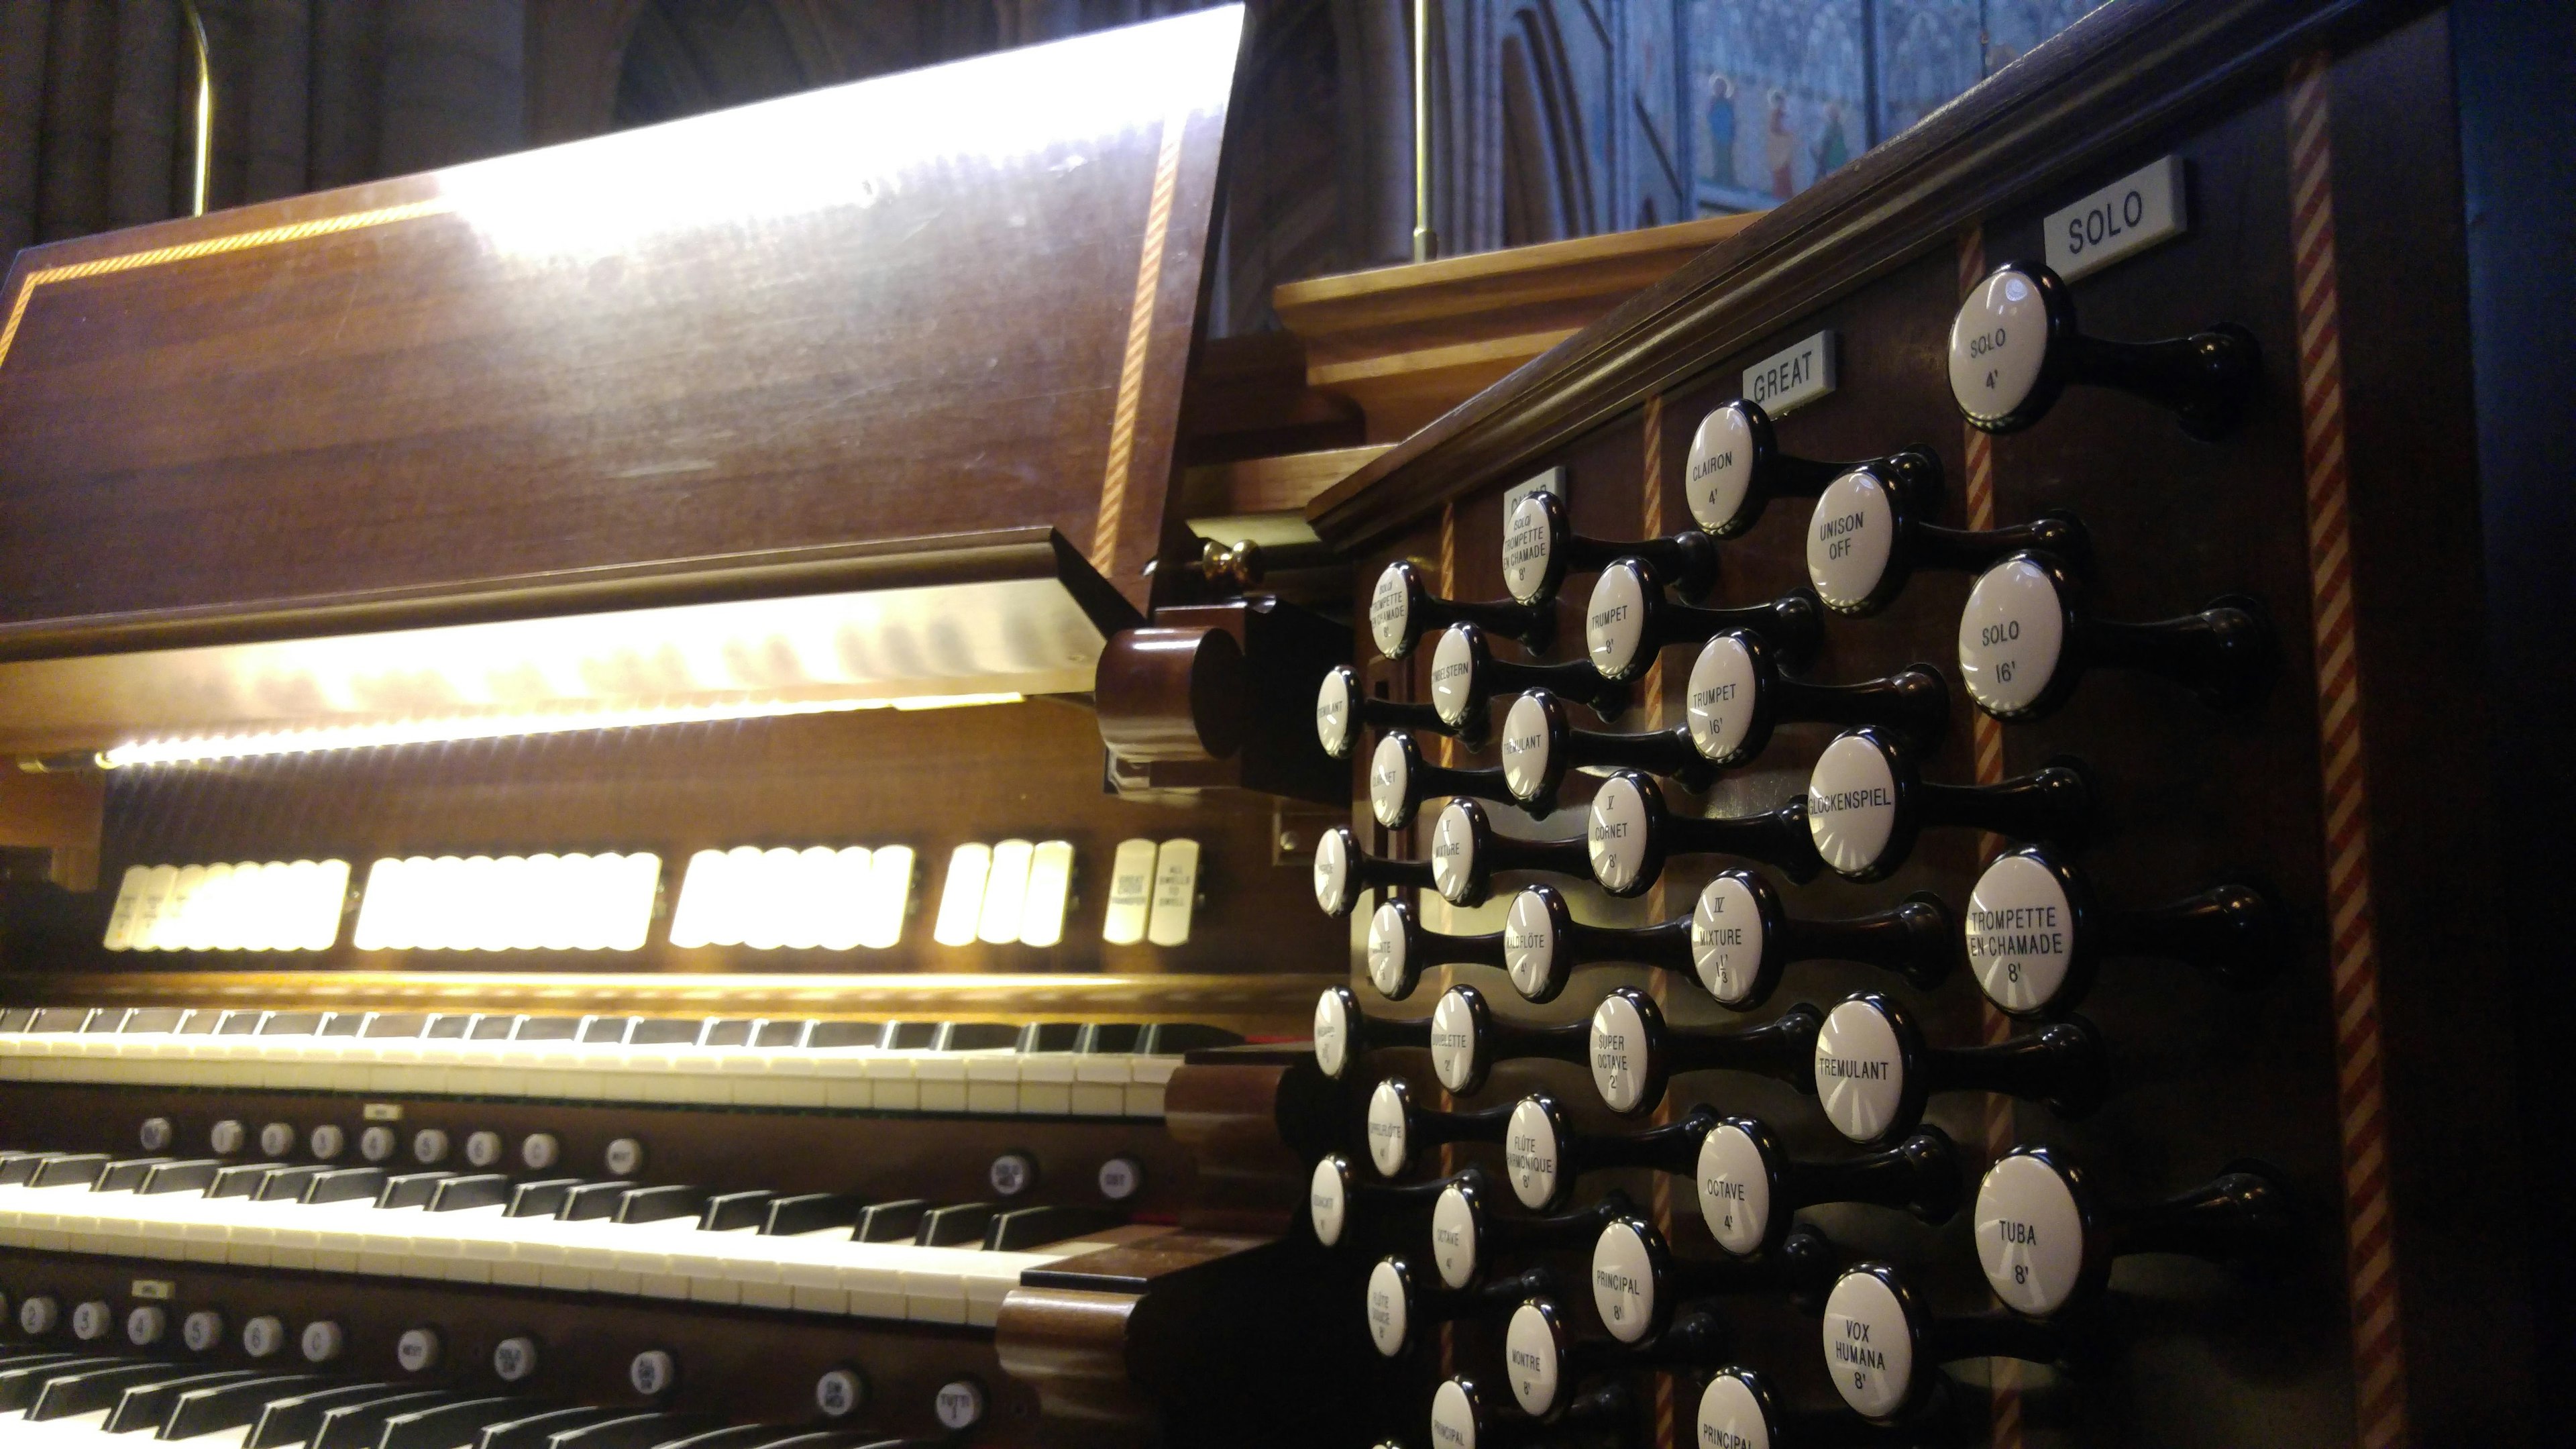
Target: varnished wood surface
[948, 301]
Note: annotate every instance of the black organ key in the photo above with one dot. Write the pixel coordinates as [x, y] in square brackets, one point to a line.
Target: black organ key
[593, 1200]
[974, 1036]
[1344, 1035]
[844, 1034]
[291, 1023]
[491, 1027]
[957, 1225]
[1400, 949]
[1343, 710]
[145, 1406]
[239, 1023]
[1343, 871]
[473, 1190]
[2046, 1241]
[16, 1018]
[1108, 1036]
[656, 1204]
[191, 1175]
[898, 1221]
[2025, 640]
[361, 1426]
[758, 1436]
[412, 1189]
[1749, 1187]
[1397, 1129]
[538, 1429]
[604, 1030]
[1399, 781]
[344, 1184]
[20, 1167]
[730, 1211]
[1467, 1039]
[1637, 1282]
[68, 1169]
[295, 1419]
[451, 1425]
[2015, 346]
[1736, 468]
[2036, 933]
[1467, 853]
[241, 1179]
[1466, 678]
[728, 1032]
[1634, 1053]
[1020, 1229]
[87, 1391]
[1342, 1207]
[1402, 609]
[1468, 1235]
[286, 1184]
[543, 1197]
[909, 1036]
[1631, 834]
[1867, 800]
[21, 1383]
[1737, 942]
[768, 1033]
[1049, 1036]
[1464, 1411]
[400, 1025]
[546, 1028]
[811, 1212]
[231, 1406]
[448, 1026]
[1869, 534]
[1630, 621]
[1541, 746]
[1882, 1347]
[1402, 1302]
[1544, 1156]
[1873, 1070]
[667, 1031]
[1543, 1360]
[629, 1431]
[127, 1175]
[1540, 547]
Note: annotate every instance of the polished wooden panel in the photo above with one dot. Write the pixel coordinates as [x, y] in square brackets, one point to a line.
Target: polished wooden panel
[948, 301]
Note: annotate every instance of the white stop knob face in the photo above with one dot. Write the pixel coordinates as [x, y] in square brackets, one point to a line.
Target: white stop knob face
[263, 1336]
[1333, 714]
[417, 1350]
[1529, 1359]
[1530, 1154]
[155, 1134]
[1332, 873]
[1727, 940]
[1860, 1071]
[960, 1404]
[1868, 1349]
[321, 1341]
[1388, 1318]
[1121, 1178]
[1453, 1416]
[1453, 1237]
[1453, 853]
[1012, 1173]
[1623, 1282]
[37, 1316]
[1525, 748]
[1528, 542]
[539, 1151]
[202, 1331]
[1851, 804]
[2010, 636]
[1617, 1053]
[1387, 1147]
[1614, 623]
[1997, 345]
[1453, 1040]
[1328, 1202]
[1725, 690]
[429, 1145]
[1720, 471]
[1387, 962]
[1390, 779]
[840, 1393]
[1730, 1417]
[2021, 933]
[1390, 611]
[1332, 1035]
[1529, 944]
[624, 1157]
[376, 1143]
[652, 1372]
[146, 1326]
[1453, 676]
[1734, 1189]
[1616, 834]
[1850, 539]
[2030, 1235]
[513, 1359]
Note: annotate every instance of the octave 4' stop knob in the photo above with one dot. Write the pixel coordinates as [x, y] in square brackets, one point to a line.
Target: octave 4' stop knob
[1749, 1185]
[1403, 1300]
[1881, 1344]
[1540, 547]
[1345, 1035]
[1465, 1413]
[2036, 934]
[1467, 853]
[1397, 1128]
[1868, 536]
[1631, 833]
[1736, 467]
[2015, 346]
[1637, 1281]
[1468, 1235]
[1402, 609]
[1634, 1053]
[1544, 1156]
[1467, 1039]
[1466, 678]
[2045, 1241]
[1343, 710]
[2025, 639]
[1343, 872]
[1541, 746]
[1737, 695]
[1873, 1071]
[1400, 949]
[1544, 1360]
[1867, 800]
[1630, 620]
[1339, 1202]
[1399, 780]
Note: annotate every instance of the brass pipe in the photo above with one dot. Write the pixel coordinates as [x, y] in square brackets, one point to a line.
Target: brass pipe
[1425, 240]
[205, 105]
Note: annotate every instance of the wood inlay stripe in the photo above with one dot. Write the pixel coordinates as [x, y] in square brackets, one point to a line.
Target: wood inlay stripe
[1140, 335]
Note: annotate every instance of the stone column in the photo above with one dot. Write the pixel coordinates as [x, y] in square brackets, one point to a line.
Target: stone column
[149, 132]
[22, 112]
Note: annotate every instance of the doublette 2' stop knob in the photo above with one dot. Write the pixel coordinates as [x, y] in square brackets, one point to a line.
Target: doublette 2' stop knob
[2046, 1241]
[2015, 346]
[1465, 678]
[2036, 935]
[1631, 833]
[1866, 802]
[1399, 780]
[1402, 609]
[1736, 468]
[1868, 536]
[1873, 1070]
[1630, 620]
[1737, 695]
[2024, 641]
[1634, 1052]
[1467, 1039]
[1540, 547]
[1881, 1344]
[1343, 709]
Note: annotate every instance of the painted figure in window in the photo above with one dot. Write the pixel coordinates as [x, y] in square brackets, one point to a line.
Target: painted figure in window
[1780, 149]
[1721, 130]
[1834, 149]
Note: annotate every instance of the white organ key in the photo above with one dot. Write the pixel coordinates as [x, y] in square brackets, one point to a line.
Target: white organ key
[697, 891]
[1176, 891]
[1050, 882]
[841, 895]
[1131, 893]
[890, 870]
[961, 900]
[1006, 892]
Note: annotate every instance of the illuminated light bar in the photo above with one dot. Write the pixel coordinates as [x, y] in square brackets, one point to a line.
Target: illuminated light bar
[486, 727]
[1011, 892]
[802, 900]
[540, 902]
[249, 906]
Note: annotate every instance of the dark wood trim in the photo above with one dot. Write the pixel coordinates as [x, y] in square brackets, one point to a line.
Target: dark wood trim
[2103, 85]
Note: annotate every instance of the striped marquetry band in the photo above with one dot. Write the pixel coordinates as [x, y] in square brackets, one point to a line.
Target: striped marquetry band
[1140, 335]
